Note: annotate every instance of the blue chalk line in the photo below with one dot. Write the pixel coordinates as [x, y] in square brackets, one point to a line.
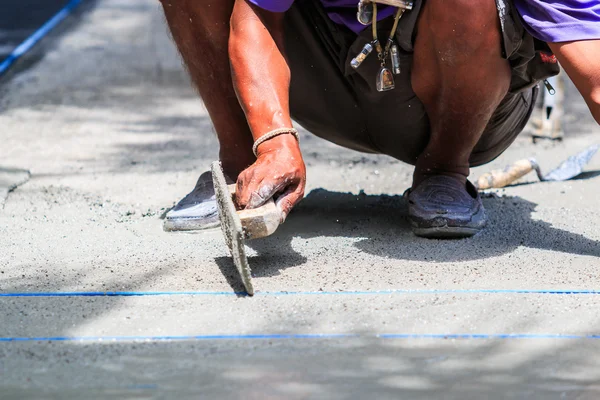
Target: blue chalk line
[450, 336]
[303, 293]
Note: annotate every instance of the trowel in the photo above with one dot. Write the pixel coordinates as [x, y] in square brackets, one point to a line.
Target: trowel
[569, 169]
[241, 225]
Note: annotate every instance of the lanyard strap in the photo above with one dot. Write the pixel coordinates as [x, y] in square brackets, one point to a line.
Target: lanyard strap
[380, 52]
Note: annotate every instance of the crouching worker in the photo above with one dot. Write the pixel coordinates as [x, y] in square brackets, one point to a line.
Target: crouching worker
[443, 86]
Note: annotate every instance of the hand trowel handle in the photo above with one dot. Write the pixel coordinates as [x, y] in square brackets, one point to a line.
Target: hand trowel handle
[501, 178]
[258, 222]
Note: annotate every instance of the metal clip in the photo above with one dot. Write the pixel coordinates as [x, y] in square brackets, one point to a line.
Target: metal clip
[549, 87]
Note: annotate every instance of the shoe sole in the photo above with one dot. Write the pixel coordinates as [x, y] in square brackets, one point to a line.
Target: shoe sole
[450, 232]
[446, 232]
[188, 224]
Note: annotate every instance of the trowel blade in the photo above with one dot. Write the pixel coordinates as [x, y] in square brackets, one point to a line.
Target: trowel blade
[573, 166]
[231, 226]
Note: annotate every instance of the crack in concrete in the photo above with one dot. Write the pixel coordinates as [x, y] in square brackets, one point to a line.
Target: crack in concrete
[10, 179]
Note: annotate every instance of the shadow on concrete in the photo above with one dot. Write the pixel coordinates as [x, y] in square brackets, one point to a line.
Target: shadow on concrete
[230, 273]
[332, 369]
[381, 221]
[587, 175]
[380, 225]
[272, 255]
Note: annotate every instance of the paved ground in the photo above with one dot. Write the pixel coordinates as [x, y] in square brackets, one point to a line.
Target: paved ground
[20, 18]
[350, 304]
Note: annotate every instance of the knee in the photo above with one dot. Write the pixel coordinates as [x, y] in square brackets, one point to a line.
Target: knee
[173, 4]
[209, 15]
[466, 26]
[199, 22]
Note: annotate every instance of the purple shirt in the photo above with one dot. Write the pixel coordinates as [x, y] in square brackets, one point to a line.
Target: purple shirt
[340, 11]
[547, 20]
[561, 20]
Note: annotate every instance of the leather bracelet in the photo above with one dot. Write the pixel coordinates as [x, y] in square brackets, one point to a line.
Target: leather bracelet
[271, 135]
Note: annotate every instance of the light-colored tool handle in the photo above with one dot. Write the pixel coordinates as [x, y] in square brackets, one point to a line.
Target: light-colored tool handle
[501, 178]
[258, 222]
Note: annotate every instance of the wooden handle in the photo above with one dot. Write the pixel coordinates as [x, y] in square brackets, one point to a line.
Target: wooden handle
[258, 222]
[501, 178]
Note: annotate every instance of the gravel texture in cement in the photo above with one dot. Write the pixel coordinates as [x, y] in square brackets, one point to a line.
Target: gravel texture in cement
[113, 134]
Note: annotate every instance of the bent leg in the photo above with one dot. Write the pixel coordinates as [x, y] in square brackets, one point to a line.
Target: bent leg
[460, 76]
[200, 29]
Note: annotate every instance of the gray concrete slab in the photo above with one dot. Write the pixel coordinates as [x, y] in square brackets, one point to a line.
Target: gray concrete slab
[436, 314]
[114, 135]
[310, 369]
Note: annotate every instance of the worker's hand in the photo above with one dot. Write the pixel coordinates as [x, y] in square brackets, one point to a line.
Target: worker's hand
[278, 172]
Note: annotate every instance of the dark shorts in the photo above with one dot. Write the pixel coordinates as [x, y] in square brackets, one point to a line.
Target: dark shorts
[342, 105]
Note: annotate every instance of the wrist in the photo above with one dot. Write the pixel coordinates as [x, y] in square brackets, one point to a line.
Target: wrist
[285, 141]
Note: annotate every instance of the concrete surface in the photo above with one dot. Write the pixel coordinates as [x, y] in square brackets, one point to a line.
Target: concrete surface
[10, 179]
[114, 135]
[20, 18]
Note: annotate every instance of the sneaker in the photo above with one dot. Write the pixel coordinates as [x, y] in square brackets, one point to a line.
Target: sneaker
[196, 211]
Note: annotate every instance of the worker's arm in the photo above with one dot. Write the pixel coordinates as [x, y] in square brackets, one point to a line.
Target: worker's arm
[261, 78]
[581, 61]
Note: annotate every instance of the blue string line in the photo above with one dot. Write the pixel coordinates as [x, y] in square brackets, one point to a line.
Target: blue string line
[458, 336]
[32, 40]
[302, 293]
[174, 338]
[484, 336]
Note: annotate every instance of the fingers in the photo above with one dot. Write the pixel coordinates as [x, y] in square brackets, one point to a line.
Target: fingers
[266, 190]
[247, 185]
[253, 192]
[270, 176]
[289, 199]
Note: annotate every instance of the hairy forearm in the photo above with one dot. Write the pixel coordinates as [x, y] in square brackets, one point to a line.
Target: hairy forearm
[261, 75]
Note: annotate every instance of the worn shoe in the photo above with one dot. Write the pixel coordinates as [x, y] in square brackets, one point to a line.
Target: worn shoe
[196, 211]
[443, 207]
